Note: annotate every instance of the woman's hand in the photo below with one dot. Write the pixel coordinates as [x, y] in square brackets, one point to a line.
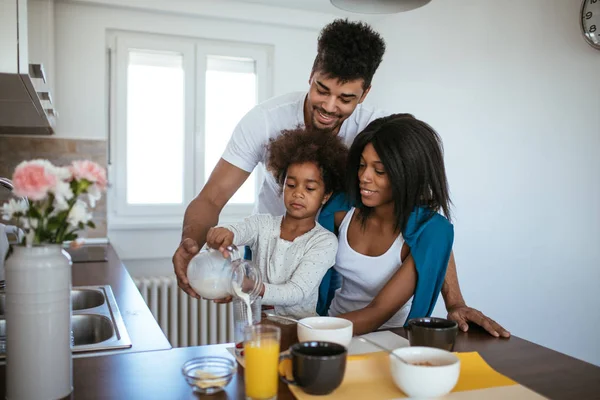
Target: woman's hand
[463, 315]
[220, 239]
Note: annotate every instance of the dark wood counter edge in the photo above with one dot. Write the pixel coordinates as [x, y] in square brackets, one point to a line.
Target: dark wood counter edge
[143, 330]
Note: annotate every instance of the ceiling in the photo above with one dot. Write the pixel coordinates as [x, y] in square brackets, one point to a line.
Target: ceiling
[292, 13]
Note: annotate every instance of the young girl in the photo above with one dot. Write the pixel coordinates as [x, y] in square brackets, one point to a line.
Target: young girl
[394, 246]
[293, 251]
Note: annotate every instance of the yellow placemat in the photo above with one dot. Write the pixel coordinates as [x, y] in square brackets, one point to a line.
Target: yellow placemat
[475, 373]
[368, 377]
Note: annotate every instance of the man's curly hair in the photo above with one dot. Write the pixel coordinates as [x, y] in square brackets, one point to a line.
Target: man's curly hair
[349, 51]
[301, 145]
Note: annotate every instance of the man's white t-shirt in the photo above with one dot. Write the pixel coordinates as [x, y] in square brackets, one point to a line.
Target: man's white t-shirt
[247, 147]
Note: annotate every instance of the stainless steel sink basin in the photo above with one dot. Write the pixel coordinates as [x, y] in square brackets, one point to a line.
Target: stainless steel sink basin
[96, 322]
[81, 299]
[90, 329]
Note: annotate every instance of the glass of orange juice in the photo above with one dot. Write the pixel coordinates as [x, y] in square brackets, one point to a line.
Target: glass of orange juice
[261, 359]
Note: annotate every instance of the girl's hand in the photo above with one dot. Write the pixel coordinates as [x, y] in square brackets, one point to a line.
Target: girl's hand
[220, 239]
[249, 284]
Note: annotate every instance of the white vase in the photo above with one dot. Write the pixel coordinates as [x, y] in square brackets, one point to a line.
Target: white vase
[39, 364]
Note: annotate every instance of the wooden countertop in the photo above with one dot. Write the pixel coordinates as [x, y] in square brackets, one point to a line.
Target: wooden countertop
[146, 374]
[157, 374]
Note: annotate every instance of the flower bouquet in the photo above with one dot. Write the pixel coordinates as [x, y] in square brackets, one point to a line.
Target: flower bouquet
[55, 209]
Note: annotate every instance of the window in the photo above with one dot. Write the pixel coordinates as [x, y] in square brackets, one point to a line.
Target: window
[176, 102]
[155, 106]
[230, 93]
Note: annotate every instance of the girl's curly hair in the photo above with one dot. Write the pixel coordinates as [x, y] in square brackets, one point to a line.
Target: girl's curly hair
[301, 145]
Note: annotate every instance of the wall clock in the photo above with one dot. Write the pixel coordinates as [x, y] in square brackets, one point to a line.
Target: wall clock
[590, 22]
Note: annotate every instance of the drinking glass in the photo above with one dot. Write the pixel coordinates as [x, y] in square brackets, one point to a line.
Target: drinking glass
[261, 358]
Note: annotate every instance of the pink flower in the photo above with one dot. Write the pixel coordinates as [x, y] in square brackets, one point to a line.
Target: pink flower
[90, 171]
[34, 179]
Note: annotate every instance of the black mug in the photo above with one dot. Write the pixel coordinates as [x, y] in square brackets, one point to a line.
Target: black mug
[432, 332]
[317, 367]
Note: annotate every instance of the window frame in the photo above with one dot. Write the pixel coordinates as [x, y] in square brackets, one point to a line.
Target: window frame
[195, 51]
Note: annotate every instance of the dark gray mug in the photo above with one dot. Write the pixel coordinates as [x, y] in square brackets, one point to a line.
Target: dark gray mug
[317, 367]
[432, 332]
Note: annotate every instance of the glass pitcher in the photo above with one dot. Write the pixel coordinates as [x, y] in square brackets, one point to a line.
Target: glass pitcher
[213, 276]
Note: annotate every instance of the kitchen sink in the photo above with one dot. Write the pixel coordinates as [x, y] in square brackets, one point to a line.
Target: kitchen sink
[96, 322]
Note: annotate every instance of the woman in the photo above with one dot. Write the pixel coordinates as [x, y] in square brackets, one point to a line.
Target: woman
[394, 245]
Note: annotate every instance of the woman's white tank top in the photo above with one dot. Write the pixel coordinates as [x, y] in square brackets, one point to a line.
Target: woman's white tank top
[364, 276]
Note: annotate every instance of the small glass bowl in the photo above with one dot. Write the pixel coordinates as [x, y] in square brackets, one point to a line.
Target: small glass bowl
[208, 374]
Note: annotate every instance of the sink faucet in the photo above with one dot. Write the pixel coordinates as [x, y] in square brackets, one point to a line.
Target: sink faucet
[7, 183]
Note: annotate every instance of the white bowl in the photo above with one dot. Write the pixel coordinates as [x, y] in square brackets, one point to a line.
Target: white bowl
[421, 380]
[326, 329]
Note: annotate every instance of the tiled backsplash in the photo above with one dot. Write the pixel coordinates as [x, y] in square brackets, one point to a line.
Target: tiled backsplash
[14, 149]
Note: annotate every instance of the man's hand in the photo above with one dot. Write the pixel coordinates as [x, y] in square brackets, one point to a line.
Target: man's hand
[220, 239]
[202, 213]
[224, 300]
[187, 249]
[463, 315]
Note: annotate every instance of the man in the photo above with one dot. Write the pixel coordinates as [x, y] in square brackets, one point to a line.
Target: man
[348, 55]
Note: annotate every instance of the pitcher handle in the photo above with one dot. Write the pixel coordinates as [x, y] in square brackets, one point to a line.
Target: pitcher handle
[234, 252]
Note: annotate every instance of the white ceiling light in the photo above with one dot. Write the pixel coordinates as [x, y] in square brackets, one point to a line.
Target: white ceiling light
[378, 6]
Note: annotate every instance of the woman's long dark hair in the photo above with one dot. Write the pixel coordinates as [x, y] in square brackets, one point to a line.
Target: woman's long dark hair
[412, 154]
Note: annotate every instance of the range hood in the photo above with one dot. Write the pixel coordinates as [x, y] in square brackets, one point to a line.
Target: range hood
[24, 110]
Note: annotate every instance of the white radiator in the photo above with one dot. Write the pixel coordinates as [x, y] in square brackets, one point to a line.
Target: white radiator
[184, 320]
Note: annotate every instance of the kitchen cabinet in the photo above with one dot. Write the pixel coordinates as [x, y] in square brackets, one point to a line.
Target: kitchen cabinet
[25, 98]
[13, 37]
[40, 36]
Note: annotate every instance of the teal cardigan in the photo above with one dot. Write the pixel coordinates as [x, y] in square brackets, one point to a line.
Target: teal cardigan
[430, 237]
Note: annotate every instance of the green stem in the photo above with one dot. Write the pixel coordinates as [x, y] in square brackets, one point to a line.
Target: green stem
[43, 225]
[18, 226]
[60, 234]
[63, 224]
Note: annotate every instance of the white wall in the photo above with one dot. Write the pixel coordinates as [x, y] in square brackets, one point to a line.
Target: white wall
[81, 55]
[513, 89]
